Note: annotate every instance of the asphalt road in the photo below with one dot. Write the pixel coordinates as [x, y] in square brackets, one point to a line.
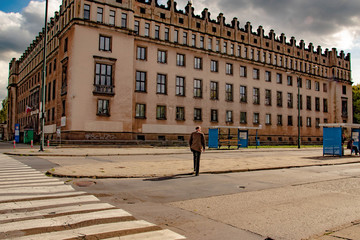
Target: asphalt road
[280, 204]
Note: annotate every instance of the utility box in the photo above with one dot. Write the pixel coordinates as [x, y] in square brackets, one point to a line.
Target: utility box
[28, 135]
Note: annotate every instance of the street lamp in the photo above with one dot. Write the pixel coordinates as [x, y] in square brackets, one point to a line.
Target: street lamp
[299, 116]
[43, 82]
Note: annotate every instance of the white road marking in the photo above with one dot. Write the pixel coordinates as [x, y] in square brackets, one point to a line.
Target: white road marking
[155, 235]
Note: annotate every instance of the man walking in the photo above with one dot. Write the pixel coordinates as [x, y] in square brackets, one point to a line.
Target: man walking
[197, 145]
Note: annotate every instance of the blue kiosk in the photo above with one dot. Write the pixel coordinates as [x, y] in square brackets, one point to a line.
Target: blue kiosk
[227, 136]
[332, 137]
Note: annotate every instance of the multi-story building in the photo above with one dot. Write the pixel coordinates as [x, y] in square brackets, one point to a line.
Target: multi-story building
[136, 70]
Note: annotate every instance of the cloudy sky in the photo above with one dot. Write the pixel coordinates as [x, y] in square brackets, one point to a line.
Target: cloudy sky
[328, 23]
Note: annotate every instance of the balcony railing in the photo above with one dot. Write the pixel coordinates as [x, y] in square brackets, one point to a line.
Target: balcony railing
[103, 89]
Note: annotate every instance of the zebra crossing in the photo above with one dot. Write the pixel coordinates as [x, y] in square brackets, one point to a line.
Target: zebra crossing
[33, 206]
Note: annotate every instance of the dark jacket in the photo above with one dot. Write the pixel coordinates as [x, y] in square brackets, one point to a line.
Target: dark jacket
[197, 141]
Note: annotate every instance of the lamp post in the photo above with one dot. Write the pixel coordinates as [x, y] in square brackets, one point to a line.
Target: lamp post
[43, 82]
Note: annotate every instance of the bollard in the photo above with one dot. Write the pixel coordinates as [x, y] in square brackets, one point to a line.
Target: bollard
[32, 143]
[14, 144]
[48, 143]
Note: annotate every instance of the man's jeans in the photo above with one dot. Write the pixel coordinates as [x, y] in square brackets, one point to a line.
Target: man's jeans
[196, 161]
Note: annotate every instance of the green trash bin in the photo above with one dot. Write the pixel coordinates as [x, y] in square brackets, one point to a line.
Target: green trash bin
[28, 135]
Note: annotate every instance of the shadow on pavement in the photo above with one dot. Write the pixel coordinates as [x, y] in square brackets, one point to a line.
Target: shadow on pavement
[184, 175]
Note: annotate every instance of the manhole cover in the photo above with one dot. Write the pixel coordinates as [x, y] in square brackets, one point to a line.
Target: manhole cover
[84, 183]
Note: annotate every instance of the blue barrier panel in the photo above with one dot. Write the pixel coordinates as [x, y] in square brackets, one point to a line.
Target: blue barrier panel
[213, 138]
[243, 138]
[355, 133]
[332, 141]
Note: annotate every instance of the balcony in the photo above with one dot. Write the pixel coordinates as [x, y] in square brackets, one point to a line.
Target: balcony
[103, 90]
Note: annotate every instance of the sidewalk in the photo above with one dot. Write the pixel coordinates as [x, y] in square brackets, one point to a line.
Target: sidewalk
[165, 162]
[168, 162]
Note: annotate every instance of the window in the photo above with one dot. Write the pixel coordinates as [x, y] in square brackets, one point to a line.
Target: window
[290, 120]
[210, 43]
[202, 42]
[256, 96]
[180, 113]
[325, 105]
[176, 36]
[161, 112]
[256, 118]
[267, 97]
[290, 100]
[180, 60]
[308, 102]
[66, 45]
[54, 90]
[267, 76]
[279, 99]
[49, 92]
[157, 31]
[325, 87]
[279, 120]
[100, 15]
[197, 63]
[103, 107]
[123, 20]
[300, 98]
[243, 118]
[229, 69]
[197, 88]
[344, 90]
[197, 114]
[185, 36]
[214, 66]
[308, 121]
[225, 48]
[147, 29]
[214, 90]
[239, 51]
[317, 86]
[243, 71]
[317, 122]
[299, 82]
[256, 74]
[140, 110]
[243, 94]
[112, 17]
[105, 43]
[317, 104]
[180, 86]
[268, 119]
[86, 12]
[141, 53]
[344, 107]
[279, 78]
[161, 56]
[289, 81]
[103, 78]
[167, 36]
[308, 84]
[140, 81]
[54, 65]
[229, 92]
[232, 49]
[193, 40]
[136, 27]
[214, 115]
[229, 116]
[161, 84]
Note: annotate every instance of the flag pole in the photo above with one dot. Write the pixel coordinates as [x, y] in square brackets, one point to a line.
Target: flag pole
[43, 82]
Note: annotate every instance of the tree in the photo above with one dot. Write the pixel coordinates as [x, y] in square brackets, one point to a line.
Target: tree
[4, 111]
[356, 103]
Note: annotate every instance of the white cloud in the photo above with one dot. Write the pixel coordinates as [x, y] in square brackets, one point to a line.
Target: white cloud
[17, 31]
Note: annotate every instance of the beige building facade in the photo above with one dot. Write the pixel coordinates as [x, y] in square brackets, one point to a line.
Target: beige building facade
[126, 70]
